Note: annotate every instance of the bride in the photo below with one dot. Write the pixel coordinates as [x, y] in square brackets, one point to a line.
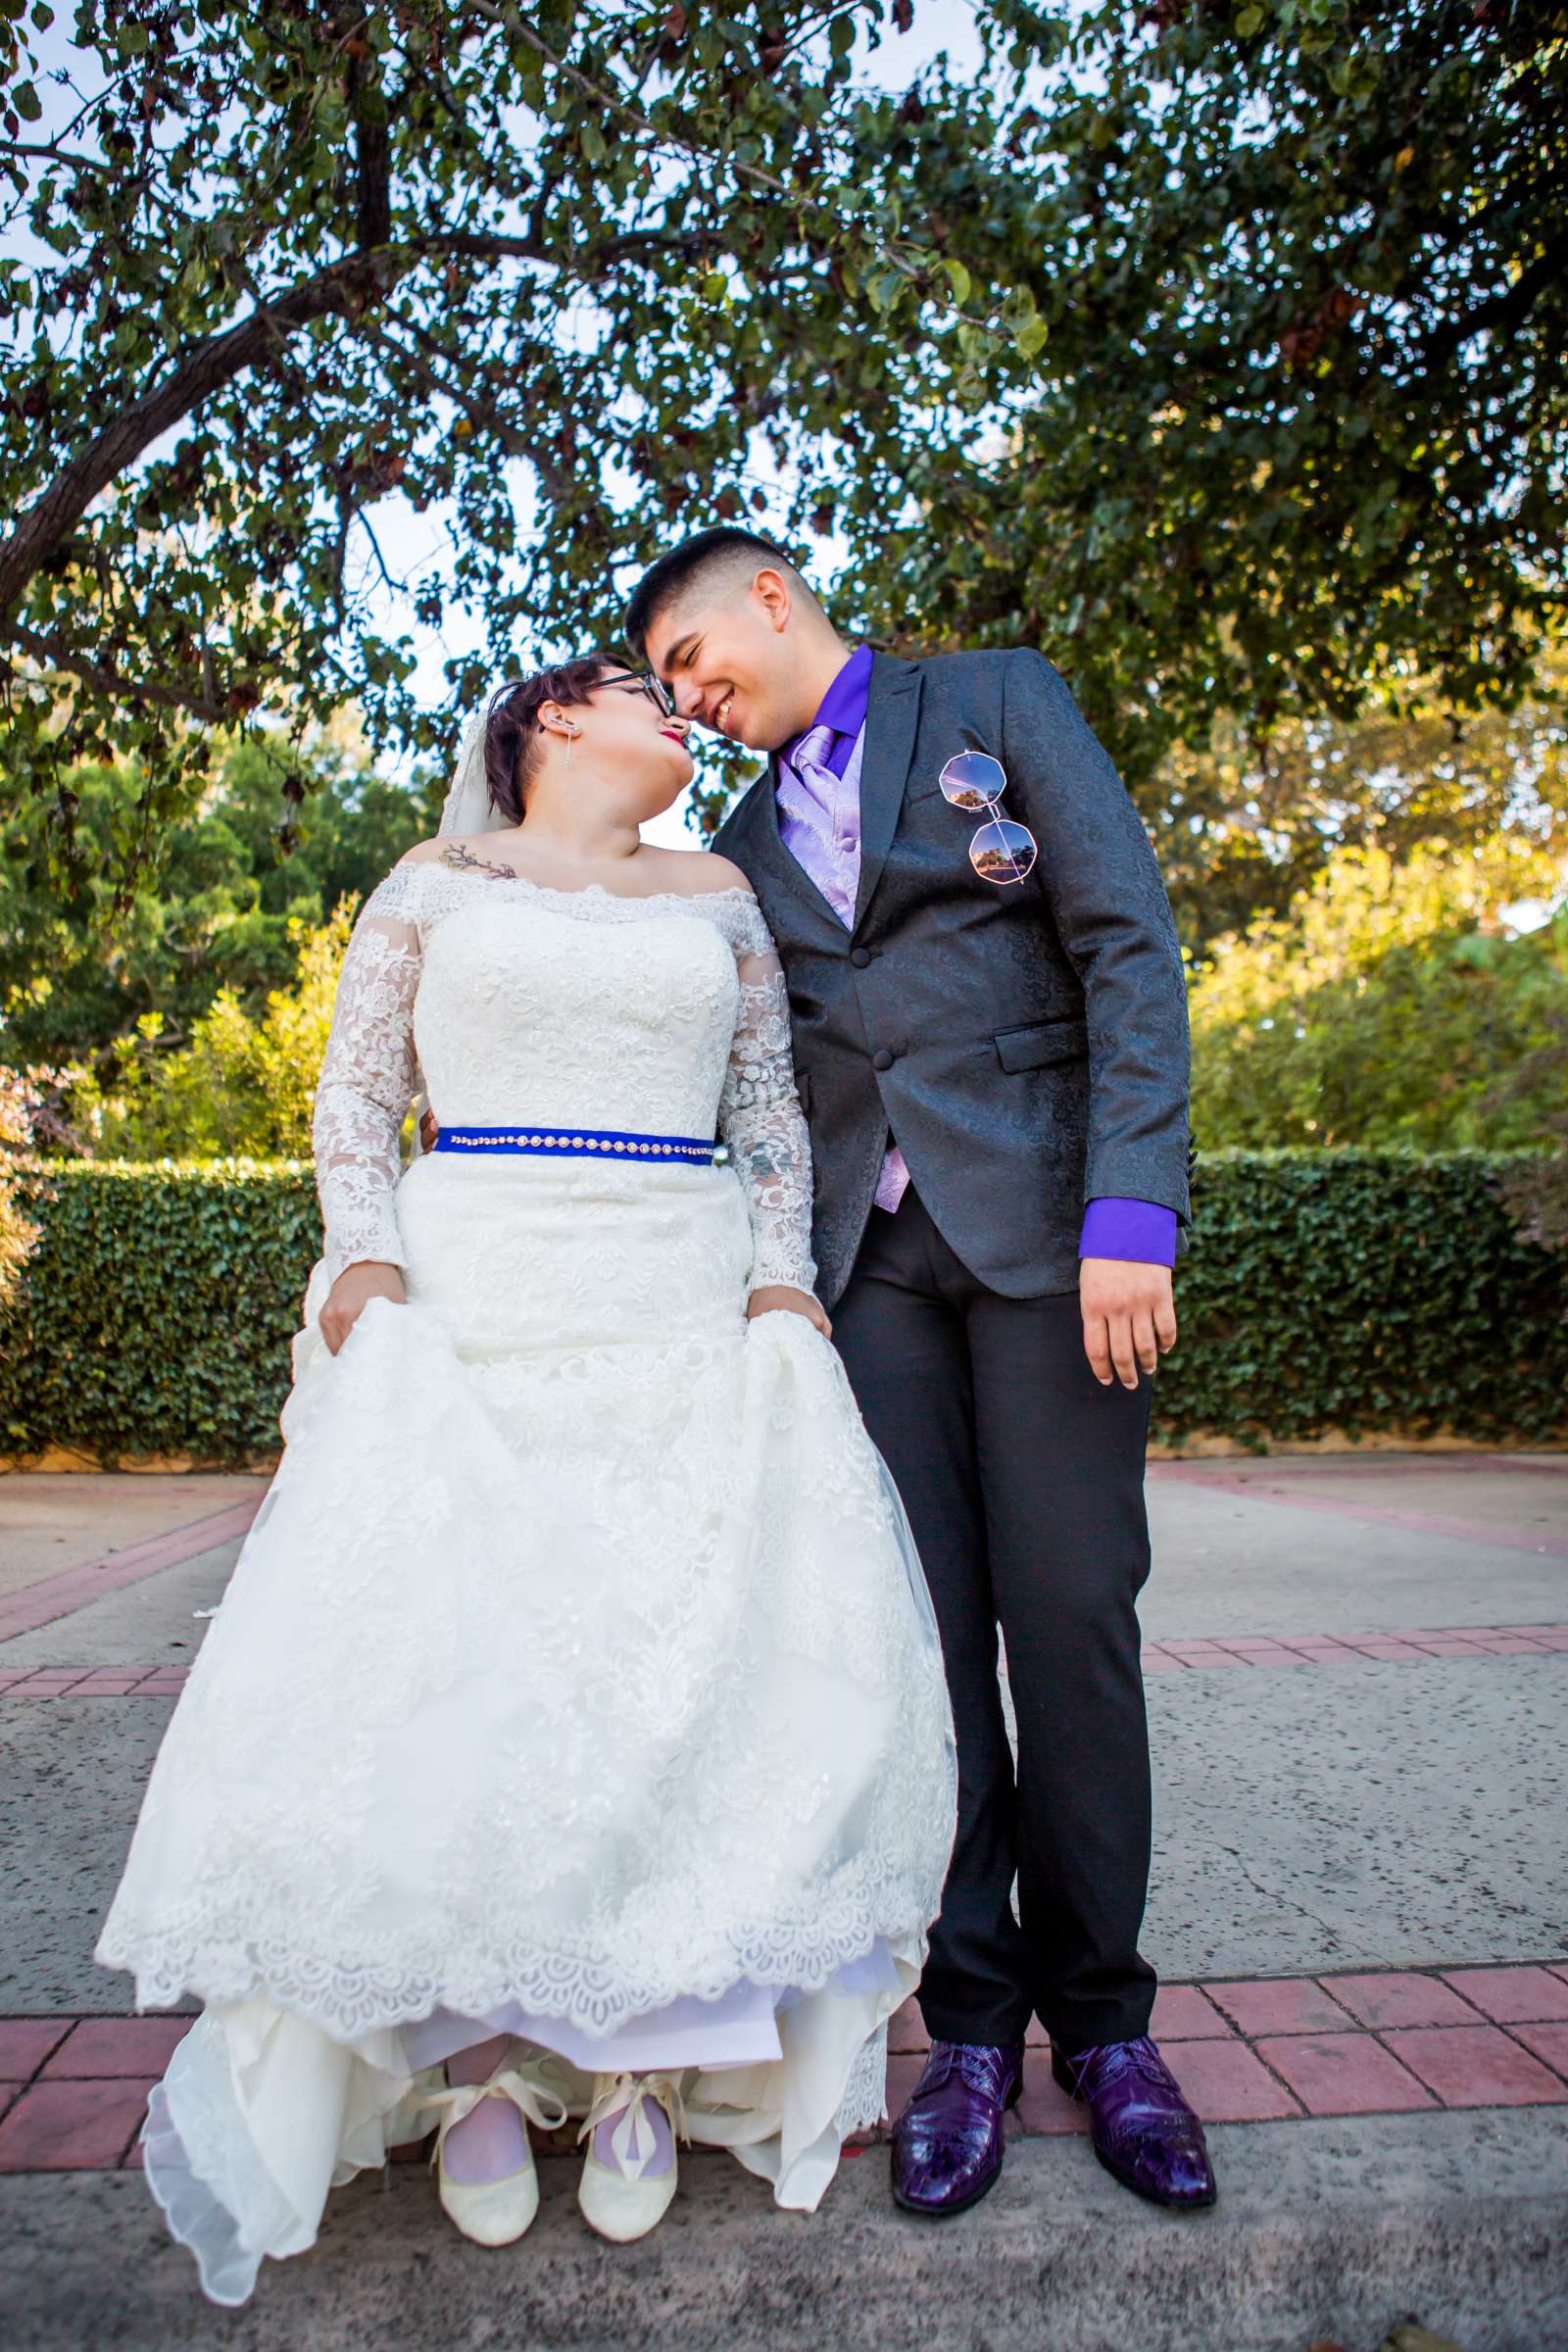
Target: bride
[573, 1740]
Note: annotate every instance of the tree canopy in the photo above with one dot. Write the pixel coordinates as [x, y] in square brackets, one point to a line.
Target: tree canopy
[1246, 819]
[1217, 350]
[1390, 1005]
[1299, 296]
[227, 899]
[244, 1081]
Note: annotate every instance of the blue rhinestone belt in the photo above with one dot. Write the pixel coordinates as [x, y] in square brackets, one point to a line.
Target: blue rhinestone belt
[556, 1141]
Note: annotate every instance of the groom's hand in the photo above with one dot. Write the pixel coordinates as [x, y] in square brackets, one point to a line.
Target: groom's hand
[1129, 1317]
[776, 1295]
[428, 1131]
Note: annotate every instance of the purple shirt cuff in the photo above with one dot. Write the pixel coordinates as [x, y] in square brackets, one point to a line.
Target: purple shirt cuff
[1137, 1229]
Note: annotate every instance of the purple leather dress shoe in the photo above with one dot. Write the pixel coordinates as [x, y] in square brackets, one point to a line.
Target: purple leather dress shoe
[1144, 2130]
[947, 2144]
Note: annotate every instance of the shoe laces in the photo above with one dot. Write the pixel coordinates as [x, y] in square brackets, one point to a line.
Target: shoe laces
[633, 2143]
[1108, 2061]
[983, 2065]
[457, 2100]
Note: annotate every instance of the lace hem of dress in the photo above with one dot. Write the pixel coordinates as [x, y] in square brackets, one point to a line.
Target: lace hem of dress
[865, 2093]
[348, 2001]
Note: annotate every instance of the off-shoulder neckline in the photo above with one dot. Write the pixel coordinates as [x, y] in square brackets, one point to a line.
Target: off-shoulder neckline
[588, 890]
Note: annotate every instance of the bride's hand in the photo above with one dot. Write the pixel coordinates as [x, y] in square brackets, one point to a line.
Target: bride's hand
[779, 1294]
[352, 1293]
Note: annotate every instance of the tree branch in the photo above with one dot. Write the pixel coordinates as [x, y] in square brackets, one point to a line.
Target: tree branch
[54, 154]
[346, 285]
[111, 683]
[372, 155]
[205, 369]
[1510, 306]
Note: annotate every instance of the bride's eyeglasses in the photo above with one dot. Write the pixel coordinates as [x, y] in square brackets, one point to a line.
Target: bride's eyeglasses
[645, 683]
[1000, 851]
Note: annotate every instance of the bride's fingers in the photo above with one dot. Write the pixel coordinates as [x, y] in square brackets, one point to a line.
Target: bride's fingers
[783, 1297]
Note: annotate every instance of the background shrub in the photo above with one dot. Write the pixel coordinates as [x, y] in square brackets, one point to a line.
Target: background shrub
[155, 1313]
[1368, 1292]
[1361, 1290]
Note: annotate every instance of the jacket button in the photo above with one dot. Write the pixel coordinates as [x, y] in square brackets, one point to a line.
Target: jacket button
[860, 957]
[881, 1059]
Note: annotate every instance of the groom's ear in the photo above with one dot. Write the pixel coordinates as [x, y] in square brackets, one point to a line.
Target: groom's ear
[772, 592]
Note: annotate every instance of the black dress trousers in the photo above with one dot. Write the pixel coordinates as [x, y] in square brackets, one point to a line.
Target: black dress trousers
[1023, 1479]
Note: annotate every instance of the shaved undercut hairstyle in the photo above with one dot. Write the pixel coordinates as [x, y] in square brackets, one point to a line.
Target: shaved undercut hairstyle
[708, 557]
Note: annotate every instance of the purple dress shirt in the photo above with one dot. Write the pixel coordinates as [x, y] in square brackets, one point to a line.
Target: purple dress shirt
[819, 824]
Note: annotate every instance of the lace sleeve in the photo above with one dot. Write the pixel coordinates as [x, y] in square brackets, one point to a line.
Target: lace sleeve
[761, 1120]
[367, 1078]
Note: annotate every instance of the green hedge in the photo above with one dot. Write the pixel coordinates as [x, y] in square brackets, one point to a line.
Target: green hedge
[1367, 1292]
[1356, 1290]
[155, 1315]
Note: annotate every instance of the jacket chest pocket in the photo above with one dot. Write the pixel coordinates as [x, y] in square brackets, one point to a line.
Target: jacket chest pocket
[1038, 1043]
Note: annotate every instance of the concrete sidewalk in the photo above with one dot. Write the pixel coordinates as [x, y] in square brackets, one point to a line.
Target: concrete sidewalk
[1357, 1674]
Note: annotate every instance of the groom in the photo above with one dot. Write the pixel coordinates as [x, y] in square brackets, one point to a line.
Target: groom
[992, 1056]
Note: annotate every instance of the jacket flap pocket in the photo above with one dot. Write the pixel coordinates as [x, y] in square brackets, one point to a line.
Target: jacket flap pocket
[1038, 1043]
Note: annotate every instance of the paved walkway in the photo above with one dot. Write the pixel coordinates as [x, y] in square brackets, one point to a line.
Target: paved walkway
[1357, 1674]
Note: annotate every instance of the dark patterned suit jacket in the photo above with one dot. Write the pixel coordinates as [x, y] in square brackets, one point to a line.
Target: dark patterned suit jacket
[1025, 1043]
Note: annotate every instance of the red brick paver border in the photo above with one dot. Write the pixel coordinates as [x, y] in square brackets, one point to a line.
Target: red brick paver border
[1513, 1996]
[1477, 2066]
[1402, 1998]
[73, 1588]
[72, 2090]
[1260, 2005]
[1343, 2074]
[93, 1682]
[72, 2126]
[109, 2048]
[1419, 1649]
[1159, 1657]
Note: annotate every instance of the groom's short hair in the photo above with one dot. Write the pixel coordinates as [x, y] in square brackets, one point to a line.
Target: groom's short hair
[725, 549]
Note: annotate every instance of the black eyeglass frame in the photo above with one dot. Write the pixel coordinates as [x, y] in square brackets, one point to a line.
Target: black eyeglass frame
[648, 682]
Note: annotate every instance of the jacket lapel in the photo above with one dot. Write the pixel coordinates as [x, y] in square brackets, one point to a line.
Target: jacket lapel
[893, 715]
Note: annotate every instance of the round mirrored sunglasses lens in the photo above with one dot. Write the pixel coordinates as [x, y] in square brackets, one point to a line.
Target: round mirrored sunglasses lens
[1002, 851]
[974, 779]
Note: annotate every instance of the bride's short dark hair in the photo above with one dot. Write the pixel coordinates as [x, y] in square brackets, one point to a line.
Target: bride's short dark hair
[512, 724]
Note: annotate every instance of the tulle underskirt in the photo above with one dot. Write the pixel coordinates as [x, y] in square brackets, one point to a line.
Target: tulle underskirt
[261, 2113]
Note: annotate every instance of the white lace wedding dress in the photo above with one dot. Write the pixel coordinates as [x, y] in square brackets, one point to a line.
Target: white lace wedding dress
[576, 1677]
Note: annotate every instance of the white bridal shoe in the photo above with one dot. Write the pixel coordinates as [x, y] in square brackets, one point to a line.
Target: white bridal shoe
[624, 2199]
[493, 2212]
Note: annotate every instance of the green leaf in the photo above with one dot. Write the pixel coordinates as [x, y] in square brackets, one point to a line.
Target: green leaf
[959, 278]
